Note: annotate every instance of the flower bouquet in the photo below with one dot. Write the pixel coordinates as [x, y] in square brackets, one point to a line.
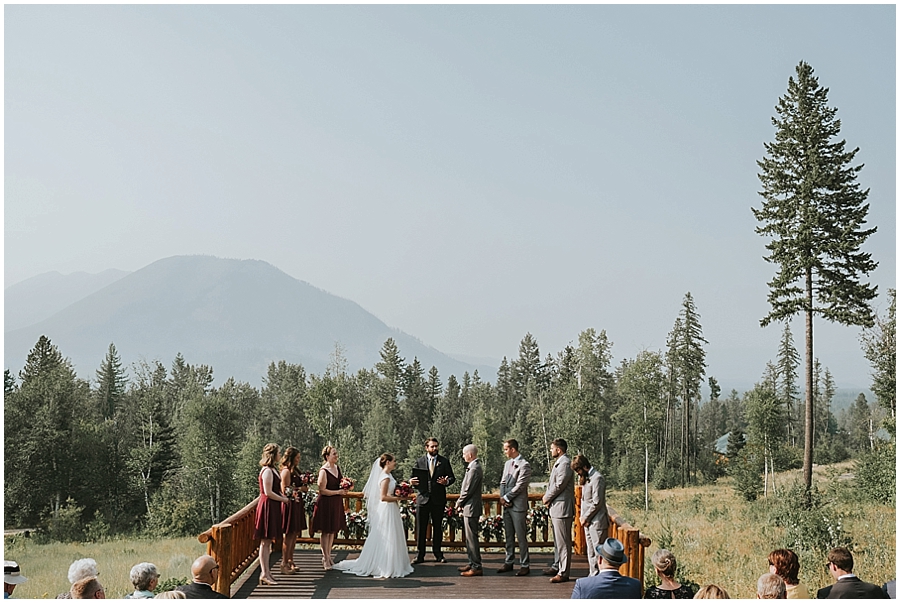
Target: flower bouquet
[307, 478]
[453, 518]
[293, 493]
[408, 514]
[357, 525]
[347, 483]
[404, 490]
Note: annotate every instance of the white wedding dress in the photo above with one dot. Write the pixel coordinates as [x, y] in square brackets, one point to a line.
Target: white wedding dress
[384, 554]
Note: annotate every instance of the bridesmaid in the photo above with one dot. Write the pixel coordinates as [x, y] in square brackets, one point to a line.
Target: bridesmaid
[268, 511]
[328, 514]
[293, 513]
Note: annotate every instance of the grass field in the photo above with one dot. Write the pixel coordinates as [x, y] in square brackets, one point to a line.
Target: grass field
[719, 538]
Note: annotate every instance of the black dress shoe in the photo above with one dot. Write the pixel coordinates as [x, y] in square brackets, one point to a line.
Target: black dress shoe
[441, 560]
[417, 561]
[506, 568]
[550, 572]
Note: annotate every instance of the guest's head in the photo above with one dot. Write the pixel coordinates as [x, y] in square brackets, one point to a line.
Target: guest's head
[12, 576]
[386, 459]
[785, 563]
[611, 554]
[329, 454]
[511, 448]
[144, 576]
[711, 591]
[558, 447]
[87, 588]
[840, 561]
[205, 570]
[664, 562]
[291, 458]
[171, 594]
[470, 452]
[581, 465]
[83, 568]
[770, 586]
[269, 456]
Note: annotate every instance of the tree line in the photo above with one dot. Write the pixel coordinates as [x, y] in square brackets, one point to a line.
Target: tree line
[164, 451]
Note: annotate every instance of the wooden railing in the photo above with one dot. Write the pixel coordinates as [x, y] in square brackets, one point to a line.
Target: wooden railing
[232, 545]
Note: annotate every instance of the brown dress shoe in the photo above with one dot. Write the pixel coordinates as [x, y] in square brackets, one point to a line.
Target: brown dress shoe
[506, 568]
[550, 571]
[464, 568]
[523, 571]
[557, 579]
[473, 572]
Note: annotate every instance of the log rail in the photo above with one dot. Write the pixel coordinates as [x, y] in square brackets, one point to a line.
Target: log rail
[232, 545]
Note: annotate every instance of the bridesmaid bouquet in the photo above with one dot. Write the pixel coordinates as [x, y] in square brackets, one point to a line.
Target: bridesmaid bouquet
[307, 478]
[404, 490]
[292, 493]
[347, 483]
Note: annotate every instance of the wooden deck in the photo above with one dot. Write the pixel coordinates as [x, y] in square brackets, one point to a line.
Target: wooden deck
[429, 580]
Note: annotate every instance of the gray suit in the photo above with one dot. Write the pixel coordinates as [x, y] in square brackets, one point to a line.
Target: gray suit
[594, 517]
[561, 503]
[470, 506]
[514, 488]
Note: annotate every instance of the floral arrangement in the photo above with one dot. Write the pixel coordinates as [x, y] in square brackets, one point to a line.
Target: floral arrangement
[408, 514]
[404, 490]
[453, 519]
[357, 525]
[293, 493]
[538, 518]
[307, 478]
[491, 527]
[309, 502]
[347, 483]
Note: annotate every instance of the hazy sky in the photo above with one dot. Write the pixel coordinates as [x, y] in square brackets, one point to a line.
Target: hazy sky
[465, 173]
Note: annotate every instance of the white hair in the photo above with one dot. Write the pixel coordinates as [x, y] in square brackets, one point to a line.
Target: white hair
[770, 586]
[142, 574]
[470, 449]
[83, 568]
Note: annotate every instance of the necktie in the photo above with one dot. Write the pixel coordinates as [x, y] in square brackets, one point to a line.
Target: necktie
[431, 466]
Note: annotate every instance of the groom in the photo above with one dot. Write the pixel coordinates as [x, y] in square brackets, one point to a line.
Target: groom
[431, 499]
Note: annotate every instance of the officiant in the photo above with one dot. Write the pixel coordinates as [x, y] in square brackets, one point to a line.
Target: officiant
[432, 474]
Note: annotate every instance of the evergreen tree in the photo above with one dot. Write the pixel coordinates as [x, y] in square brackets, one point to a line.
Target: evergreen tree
[880, 347]
[814, 212]
[112, 383]
[788, 361]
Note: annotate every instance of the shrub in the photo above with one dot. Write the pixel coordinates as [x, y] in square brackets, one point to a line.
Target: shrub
[66, 525]
[746, 471]
[170, 584]
[876, 476]
[816, 529]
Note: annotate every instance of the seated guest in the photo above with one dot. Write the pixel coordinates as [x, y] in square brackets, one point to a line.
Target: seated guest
[12, 576]
[204, 571]
[890, 589]
[785, 563]
[711, 591]
[145, 578]
[171, 594]
[80, 568]
[87, 588]
[609, 583]
[770, 586]
[847, 585]
[664, 563]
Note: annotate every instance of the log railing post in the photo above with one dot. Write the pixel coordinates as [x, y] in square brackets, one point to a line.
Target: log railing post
[579, 547]
[224, 556]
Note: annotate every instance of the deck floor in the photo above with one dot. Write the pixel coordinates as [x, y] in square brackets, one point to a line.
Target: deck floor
[429, 580]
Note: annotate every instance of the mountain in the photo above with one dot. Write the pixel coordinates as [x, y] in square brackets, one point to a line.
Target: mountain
[234, 315]
[37, 298]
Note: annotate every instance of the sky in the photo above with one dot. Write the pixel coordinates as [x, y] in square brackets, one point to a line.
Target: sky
[466, 173]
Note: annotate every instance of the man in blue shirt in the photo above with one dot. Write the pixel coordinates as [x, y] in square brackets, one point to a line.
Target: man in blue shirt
[609, 583]
[12, 576]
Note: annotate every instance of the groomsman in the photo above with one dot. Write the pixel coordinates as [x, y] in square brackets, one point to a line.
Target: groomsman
[432, 499]
[514, 498]
[469, 507]
[594, 517]
[560, 499]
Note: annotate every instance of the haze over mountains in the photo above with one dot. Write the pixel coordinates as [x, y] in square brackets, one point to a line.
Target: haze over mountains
[234, 315]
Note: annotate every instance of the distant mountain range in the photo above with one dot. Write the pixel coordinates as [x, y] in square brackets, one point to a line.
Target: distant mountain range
[234, 315]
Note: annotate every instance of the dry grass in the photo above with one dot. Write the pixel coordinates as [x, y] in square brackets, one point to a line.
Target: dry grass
[46, 565]
[721, 539]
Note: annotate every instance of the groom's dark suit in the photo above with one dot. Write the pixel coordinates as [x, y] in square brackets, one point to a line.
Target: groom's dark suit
[430, 503]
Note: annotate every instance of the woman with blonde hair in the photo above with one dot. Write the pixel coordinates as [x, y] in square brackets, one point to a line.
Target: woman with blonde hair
[664, 562]
[293, 513]
[786, 564]
[328, 514]
[711, 591]
[268, 510]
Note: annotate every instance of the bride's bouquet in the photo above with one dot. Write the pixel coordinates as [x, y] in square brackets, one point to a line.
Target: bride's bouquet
[404, 490]
[347, 483]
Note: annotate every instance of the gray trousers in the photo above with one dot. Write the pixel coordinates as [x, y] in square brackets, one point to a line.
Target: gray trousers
[562, 545]
[514, 529]
[473, 549]
[593, 536]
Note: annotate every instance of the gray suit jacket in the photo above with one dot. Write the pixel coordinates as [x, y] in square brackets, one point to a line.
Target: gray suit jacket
[514, 483]
[470, 491]
[561, 489]
[593, 501]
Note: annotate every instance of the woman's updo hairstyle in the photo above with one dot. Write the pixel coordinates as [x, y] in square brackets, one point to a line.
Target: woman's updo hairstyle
[326, 452]
[290, 457]
[269, 456]
[385, 459]
[664, 561]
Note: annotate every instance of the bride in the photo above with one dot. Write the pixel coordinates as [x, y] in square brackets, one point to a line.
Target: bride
[384, 554]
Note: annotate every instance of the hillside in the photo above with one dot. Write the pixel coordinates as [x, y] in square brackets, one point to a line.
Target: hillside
[235, 315]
